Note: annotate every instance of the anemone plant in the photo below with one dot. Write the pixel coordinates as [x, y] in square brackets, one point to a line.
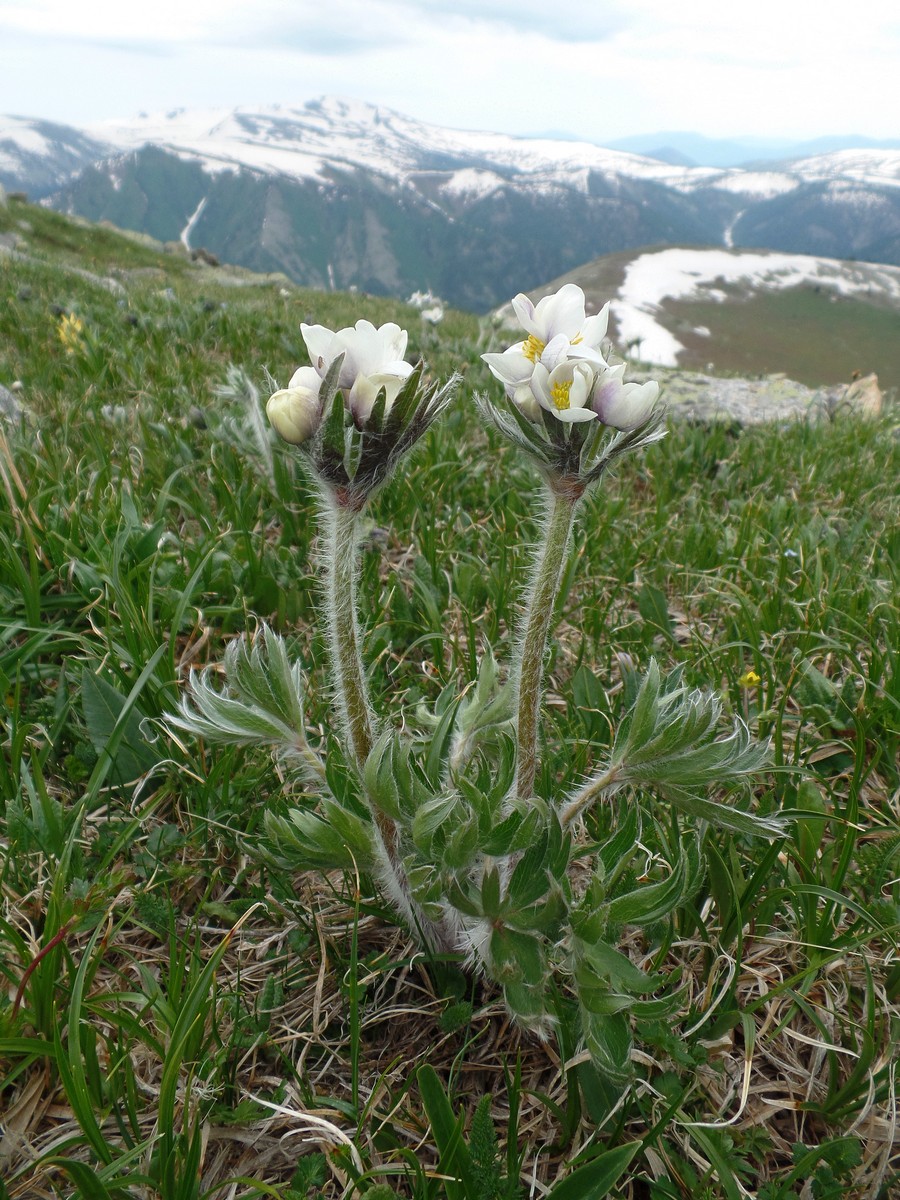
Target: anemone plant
[444, 813]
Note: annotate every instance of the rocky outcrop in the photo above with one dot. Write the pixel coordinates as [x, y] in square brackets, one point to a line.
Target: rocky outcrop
[706, 398]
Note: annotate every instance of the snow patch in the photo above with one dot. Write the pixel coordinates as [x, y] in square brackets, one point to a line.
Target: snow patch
[761, 184]
[192, 221]
[684, 274]
[472, 184]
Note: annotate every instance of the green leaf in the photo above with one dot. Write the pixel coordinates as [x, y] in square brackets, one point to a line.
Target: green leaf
[490, 893]
[619, 969]
[516, 957]
[447, 1129]
[90, 1185]
[104, 714]
[652, 901]
[608, 1039]
[623, 842]
[654, 608]
[595, 1179]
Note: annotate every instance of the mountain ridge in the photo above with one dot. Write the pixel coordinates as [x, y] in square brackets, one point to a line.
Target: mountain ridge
[343, 194]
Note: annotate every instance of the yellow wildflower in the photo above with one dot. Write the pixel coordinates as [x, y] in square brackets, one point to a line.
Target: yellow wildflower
[71, 331]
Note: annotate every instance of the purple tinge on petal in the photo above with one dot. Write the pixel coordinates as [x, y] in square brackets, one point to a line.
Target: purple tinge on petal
[556, 351]
[624, 406]
[524, 310]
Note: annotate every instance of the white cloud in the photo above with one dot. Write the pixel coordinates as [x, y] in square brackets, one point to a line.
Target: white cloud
[792, 68]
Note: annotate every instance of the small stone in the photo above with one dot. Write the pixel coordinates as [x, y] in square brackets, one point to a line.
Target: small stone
[865, 396]
[200, 255]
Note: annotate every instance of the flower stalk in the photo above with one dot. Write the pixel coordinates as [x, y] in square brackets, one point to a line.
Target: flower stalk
[352, 694]
[539, 614]
[342, 523]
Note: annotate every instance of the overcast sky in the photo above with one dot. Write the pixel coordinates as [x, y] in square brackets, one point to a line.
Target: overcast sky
[598, 69]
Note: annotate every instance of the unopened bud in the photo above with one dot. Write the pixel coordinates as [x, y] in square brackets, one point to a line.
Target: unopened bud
[294, 414]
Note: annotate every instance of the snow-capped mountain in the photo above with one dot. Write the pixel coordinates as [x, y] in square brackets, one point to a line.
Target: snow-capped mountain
[341, 193]
[38, 156]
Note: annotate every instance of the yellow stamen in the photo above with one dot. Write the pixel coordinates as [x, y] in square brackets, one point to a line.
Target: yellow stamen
[559, 394]
[533, 348]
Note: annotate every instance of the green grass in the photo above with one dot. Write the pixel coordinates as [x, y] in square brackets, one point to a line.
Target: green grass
[809, 333]
[179, 1017]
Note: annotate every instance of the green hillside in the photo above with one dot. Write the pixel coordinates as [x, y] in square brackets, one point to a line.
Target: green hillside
[186, 1015]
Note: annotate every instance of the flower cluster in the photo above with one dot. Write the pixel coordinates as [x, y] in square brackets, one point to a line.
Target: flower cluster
[372, 360]
[559, 367]
[357, 408]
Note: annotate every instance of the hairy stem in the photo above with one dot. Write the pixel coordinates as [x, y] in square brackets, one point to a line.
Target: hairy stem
[586, 796]
[542, 599]
[356, 709]
[352, 692]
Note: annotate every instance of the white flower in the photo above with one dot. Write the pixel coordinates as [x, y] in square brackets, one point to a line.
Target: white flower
[373, 358]
[557, 331]
[561, 316]
[621, 405]
[565, 390]
[295, 411]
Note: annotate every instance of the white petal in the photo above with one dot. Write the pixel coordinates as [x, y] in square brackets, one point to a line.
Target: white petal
[523, 398]
[524, 310]
[582, 382]
[540, 387]
[393, 341]
[556, 351]
[294, 414]
[362, 397]
[571, 415]
[320, 344]
[562, 313]
[511, 366]
[306, 377]
[625, 406]
[594, 329]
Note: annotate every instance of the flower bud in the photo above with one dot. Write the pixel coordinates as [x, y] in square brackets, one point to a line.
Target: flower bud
[623, 406]
[294, 413]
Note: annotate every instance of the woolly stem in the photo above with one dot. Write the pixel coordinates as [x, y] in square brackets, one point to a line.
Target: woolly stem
[542, 599]
[340, 589]
[591, 791]
[342, 536]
